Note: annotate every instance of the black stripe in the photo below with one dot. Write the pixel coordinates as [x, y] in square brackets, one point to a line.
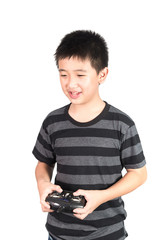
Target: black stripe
[107, 116]
[130, 142]
[113, 236]
[86, 132]
[80, 233]
[134, 159]
[89, 170]
[110, 204]
[100, 223]
[87, 151]
[44, 143]
[41, 158]
[75, 187]
[67, 232]
[53, 119]
[119, 117]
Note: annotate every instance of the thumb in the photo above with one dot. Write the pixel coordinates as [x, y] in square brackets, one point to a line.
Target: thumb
[58, 189]
[79, 192]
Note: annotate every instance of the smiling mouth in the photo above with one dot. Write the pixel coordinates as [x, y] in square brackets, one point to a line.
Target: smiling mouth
[74, 94]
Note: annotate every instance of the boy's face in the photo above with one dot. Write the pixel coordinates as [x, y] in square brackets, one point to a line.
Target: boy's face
[79, 80]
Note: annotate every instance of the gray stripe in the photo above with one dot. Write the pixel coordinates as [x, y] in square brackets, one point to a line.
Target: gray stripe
[44, 135]
[90, 179]
[107, 213]
[116, 110]
[132, 151]
[53, 221]
[110, 212]
[98, 232]
[87, 141]
[104, 231]
[102, 124]
[88, 160]
[135, 166]
[57, 111]
[131, 132]
[45, 152]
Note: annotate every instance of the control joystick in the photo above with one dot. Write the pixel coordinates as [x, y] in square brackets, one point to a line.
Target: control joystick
[65, 201]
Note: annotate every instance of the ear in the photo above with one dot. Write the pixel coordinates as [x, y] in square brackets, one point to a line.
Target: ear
[102, 75]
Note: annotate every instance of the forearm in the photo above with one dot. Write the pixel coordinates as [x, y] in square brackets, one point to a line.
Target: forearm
[43, 172]
[133, 179]
[127, 184]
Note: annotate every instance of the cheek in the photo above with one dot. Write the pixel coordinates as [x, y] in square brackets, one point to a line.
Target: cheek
[90, 85]
[63, 83]
[63, 87]
[86, 84]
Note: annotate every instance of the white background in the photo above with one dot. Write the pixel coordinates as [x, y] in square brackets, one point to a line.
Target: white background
[30, 32]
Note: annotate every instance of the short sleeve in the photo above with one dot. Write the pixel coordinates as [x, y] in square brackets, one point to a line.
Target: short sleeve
[132, 156]
[43, 149]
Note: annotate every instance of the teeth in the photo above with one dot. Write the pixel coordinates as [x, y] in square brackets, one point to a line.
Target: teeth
[74, 93]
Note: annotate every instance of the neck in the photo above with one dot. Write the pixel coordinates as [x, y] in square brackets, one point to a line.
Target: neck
[92, 106]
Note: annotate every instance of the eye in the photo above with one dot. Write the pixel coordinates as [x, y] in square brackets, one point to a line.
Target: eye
[63, 75]
[81, 75]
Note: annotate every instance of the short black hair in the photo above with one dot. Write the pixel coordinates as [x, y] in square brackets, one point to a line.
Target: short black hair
[84, 44]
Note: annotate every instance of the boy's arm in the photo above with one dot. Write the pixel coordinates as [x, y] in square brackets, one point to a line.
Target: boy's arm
[43, 173]
[132, 180]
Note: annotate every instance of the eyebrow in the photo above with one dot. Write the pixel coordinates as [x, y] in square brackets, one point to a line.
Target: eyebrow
[77, 70]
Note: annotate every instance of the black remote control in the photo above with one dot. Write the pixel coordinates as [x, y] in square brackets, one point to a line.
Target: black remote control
[65, 201]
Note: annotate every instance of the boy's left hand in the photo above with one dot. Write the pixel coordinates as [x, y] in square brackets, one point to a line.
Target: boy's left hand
[94, 198]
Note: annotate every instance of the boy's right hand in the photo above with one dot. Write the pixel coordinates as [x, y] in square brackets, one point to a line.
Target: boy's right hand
[44, 189]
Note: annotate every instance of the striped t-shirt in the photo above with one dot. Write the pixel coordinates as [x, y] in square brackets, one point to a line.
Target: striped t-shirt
[89, 156]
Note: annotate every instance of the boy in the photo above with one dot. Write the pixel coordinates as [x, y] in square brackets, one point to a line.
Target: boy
[91, 141]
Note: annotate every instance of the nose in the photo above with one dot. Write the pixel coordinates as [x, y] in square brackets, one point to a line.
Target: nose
[72, 83]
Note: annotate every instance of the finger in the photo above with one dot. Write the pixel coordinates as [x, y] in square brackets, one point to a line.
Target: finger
[58, 189]
[47, 210]
[79, 192]
[44, 209]
[45, 204]
[80, 216]
[80, 211]
[55, 188]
